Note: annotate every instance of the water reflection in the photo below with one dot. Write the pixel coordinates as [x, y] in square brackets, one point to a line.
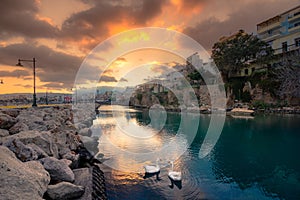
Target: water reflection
[130, 145]
[253, 158]
[178, 184]
[149, 175]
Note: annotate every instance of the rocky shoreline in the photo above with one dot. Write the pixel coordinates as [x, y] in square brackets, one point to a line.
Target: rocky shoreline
[42, 155]
[207, 110]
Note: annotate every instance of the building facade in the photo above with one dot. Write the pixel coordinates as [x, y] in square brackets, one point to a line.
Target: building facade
[282, 32]
[195, 61]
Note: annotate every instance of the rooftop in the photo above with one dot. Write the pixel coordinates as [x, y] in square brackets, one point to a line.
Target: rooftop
[277, 17]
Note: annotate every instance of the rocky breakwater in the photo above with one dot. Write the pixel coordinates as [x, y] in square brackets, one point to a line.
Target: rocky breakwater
[41, 154]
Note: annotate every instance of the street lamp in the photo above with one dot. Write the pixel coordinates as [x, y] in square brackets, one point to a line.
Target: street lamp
[47, 97]
[33, 61]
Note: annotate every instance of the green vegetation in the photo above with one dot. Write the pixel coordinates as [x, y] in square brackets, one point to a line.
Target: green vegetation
[266, 81]
[233, 53]
[195, 75]
[246, 96]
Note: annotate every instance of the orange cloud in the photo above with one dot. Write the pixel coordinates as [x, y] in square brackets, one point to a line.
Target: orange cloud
[191, 7]
[45, 19]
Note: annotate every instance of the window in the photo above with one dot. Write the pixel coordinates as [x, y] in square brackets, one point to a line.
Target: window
[297, 42]
[297, 13]
[246, 72]
[297, 24]
[270, 32]
[284, 47]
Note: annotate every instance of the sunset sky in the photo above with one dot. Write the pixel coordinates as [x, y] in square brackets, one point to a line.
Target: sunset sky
[60, 34]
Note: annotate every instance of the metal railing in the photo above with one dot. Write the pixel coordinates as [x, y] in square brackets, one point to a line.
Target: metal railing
[289, 48]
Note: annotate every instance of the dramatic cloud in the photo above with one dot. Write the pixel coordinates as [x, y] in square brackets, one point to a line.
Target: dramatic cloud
[51, 66]
[52, 85]
[20, 18]
[241, 15]
[123, 80]
[107, 79]
[88, 27]
[190, 6]
[27, 32]
[92, 25]
[161, 69]
[15, 73]
[167, 67]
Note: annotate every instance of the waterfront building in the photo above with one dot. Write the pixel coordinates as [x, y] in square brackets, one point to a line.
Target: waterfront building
[195, 61]
[282, 32]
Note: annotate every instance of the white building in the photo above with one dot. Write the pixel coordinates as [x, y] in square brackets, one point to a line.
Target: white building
[282, 31]
[195, 61]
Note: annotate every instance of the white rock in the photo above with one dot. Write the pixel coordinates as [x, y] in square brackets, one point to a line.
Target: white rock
[43, 140]
[68, 162]
[26, 181]
[11, 112]
[85, 132]
[4, 133]
[18, 127]
[23, 152]
[6, 121]
[65, 190]
[58, 169]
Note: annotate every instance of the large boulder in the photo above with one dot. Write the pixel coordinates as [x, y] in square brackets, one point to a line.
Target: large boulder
[11, 112]
[23, 152]
[18, 127]
[74, 158]
[43, 140]
[65, 141]
[33, 118]
[20, 180]
[4, 133]
[40, 152]
[52, 124]
[6, 121]
[58, 169]
[85, 132]
[91, 143]
[43, 119]
[65, 190]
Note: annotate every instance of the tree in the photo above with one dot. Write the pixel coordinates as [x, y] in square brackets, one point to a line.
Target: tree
[237, 51]
[288, 75]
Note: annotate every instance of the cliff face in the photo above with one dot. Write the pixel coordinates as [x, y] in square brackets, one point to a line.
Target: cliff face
[169, 100]
[147, 99]
[258, 94]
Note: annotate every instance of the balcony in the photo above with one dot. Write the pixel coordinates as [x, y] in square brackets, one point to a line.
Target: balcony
[293, 18]
[290, 48]
[295, 28]
[261, 29]
[268, 37]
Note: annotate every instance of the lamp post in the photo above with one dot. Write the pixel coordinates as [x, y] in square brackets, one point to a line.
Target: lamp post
[46, 97]
[33, 61]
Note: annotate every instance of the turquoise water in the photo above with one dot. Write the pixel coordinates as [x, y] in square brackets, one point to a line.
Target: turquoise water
[254, 158]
